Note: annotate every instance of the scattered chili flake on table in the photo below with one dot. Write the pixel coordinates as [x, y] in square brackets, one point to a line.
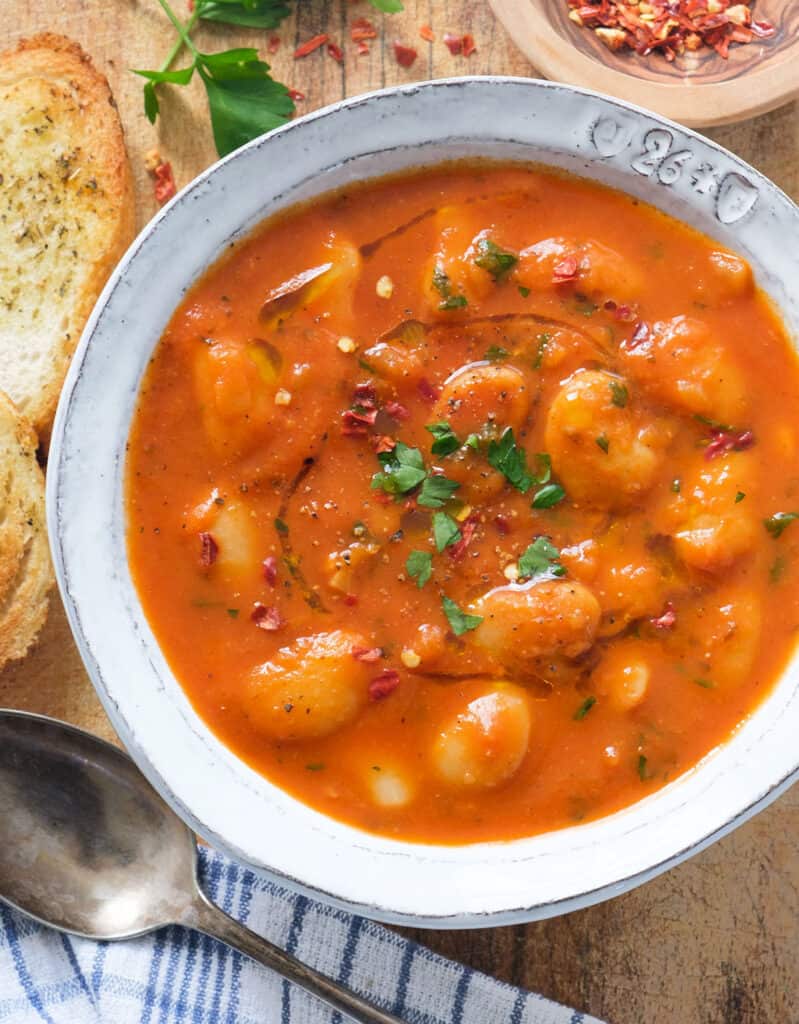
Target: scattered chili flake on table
[161, 170]
[426, 33]
[273, 45]
[336, 52]
[311, 45]
[296, 95]
[361, 30]
[453, 43]
[670, 27]
[469, 45]
[405, 55]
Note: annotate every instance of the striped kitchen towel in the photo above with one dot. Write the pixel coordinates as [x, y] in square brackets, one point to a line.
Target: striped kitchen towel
[176, 976]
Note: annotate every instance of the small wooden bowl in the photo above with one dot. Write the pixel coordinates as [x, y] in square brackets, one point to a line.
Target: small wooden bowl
[698, 89]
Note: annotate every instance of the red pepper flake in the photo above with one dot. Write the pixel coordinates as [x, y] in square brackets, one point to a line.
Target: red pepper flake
[426, 33]
[336, 52]
[365, 395]
[273, 45]
[351, 600]
[269, 567]
[268, 618]
[667, 618]
[458, 550]
[383, 443]
[640, 335]
[565, 270]
[165, 186]
[384, 684]
[670, 27]
[502, 524]
[311, 45]
[296, 95]
[356, 422]
[363, 48]
[469, 45]
[367, 654]
[362, 29]
[209, 549]
[427, 390]
[397, 411]
[405, 55]
[453, 43]
[723, 441]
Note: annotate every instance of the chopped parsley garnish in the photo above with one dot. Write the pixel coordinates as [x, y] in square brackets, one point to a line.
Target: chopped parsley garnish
[777, 568]
[459, 621]
[419, 566]
[584, 708]
[233, 613]
[436, 491]
[706, 684]
[498, 262]
[642, 772]
[544, 473]
[445, 531]
[511, 460]
[603, 443]
[445, 442]
[619, 394]
[584, 305]
[713, 424]
[317, 766]
[443, 285]
[739, 497]
[548, 496]
[496, 353]
[473, 442]
[403, 469]
[675, 485]
[543, 341]
[540, 559]
[779, 521]
[524, 292]
[280, 526]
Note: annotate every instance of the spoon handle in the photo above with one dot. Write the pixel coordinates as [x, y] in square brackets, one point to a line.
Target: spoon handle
[208, 918]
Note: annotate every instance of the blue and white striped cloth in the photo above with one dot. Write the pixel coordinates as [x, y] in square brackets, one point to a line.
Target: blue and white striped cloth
[177, 976]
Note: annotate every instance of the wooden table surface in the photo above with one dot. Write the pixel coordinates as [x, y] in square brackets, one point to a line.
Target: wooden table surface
[714, 941]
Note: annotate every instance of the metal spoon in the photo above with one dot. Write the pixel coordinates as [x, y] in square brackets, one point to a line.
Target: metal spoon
[88, 847]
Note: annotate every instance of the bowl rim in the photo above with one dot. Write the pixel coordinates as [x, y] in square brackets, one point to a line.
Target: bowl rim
[80, 610]
[695, 104]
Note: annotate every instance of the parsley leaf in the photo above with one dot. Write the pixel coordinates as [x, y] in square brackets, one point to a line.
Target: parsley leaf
[403, 469]
[498, 262]
[473, 442]
[436, 491]
[603, 443]
[419, 566]
[642, 770]
[511, 460]
[548, 496]
[779, 521]
[524, 292]
[540, 559]
[445, 531]
[545, 472]
[250, 13]
[459, 621]
[443, 285]
[739, 497]
[619, 394]
[496, 353]
[584, 708]
[543, 341]
[445, 442]
[387, 6]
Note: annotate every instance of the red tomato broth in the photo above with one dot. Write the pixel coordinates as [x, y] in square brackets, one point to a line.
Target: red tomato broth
[189, 465]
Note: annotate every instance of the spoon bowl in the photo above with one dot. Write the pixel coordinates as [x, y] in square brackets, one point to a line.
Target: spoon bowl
[88, 847]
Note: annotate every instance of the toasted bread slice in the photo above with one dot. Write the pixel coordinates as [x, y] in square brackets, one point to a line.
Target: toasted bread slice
[26, 574]
[66, 213]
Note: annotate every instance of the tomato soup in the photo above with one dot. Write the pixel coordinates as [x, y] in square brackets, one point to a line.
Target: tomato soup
[461, 503]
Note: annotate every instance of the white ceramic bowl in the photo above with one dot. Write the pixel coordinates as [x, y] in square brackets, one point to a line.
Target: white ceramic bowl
[230, 805]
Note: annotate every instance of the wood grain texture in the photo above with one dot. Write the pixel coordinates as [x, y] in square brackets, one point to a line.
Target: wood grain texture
[713, 941]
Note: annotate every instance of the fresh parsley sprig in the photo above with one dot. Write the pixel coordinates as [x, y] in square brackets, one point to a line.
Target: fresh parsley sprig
[540, 559]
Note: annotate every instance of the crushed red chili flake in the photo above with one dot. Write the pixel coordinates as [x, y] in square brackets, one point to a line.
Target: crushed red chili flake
[383, 443]
[367, 654]
[723, 441]
[405, 55]
[336, 52]
[209, 549]
[458, 550]
[397, 411]
[363, 48]
[384, 684]
[351, 600]
[469, 45]
[365, 396]
[311, 45]
[565, 270]
[273, 45]
[296, 95]
[355, 422]
[502, 524]
[426, 33]
[453, 43]
[670, 27]
[427, 390]
[165, 186]
[362, 29]
[269, 567]
[667, 618]
[267, 617]
[640, 335]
